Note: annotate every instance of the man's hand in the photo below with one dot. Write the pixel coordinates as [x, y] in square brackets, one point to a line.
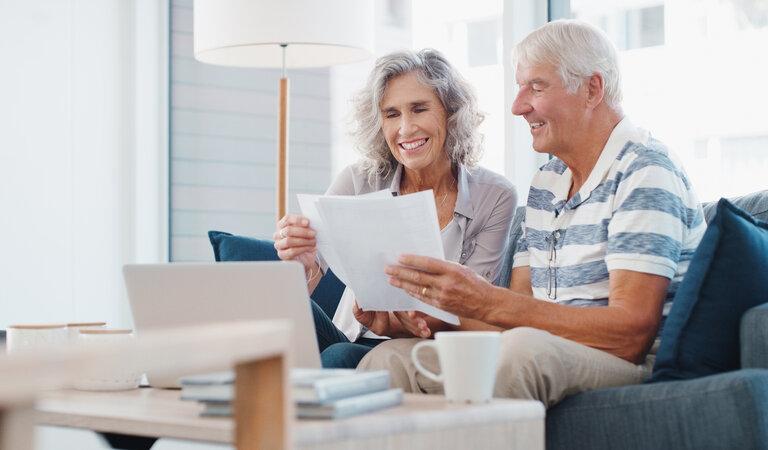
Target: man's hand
[445, 285]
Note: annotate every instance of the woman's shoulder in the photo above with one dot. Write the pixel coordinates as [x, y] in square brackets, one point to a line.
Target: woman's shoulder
[354, 179]
[488, 181]
[355, 171]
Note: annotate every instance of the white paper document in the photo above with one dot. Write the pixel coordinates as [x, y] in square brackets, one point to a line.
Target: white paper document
[359, 236]
[309, 208]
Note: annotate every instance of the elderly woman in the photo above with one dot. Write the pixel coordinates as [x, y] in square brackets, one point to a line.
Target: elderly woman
[417, 129]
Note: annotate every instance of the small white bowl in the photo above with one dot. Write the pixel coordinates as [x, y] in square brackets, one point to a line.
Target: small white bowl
[109, 379]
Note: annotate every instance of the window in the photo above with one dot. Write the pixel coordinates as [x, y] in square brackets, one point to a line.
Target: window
[483, 42]
[694, 75]
[469, 34]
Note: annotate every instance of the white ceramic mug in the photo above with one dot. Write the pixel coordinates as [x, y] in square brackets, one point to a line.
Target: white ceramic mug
[468, 361]
[109, 378]
[29, 337]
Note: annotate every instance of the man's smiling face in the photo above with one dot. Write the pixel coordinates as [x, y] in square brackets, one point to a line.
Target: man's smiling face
[555, 116]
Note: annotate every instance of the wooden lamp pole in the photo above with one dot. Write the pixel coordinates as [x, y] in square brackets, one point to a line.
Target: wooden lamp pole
[282, 144]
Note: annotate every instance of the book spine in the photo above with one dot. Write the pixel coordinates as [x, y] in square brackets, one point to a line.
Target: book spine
[221, 393]
[332, 390]
[353, 406]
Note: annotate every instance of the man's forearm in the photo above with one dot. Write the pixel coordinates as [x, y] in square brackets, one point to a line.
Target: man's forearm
[609, 328]
[476, 325]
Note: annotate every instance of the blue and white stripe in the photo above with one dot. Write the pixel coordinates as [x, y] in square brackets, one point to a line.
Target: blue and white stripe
[636, 211]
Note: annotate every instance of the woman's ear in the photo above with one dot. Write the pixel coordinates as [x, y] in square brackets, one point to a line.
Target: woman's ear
[595, 90]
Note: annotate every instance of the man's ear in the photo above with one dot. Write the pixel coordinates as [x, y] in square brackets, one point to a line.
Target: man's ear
[595, 90]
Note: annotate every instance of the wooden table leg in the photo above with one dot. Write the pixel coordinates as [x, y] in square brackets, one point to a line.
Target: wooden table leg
[261, 405]
[17, 425]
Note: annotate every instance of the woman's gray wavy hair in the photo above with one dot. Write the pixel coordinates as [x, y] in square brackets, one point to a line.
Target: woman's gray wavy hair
[463, 141]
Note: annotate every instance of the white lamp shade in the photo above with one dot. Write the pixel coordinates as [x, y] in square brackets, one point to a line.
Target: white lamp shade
[248, 33]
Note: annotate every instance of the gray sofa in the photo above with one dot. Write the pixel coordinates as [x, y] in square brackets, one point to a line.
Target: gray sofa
[724, 411]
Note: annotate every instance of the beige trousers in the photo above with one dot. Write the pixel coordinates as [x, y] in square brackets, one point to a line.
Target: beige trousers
[533, 364]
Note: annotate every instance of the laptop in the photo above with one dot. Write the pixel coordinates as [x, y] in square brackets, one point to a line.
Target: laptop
[178, 294]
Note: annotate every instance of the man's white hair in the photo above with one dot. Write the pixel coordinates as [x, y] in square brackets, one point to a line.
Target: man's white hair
[577, 50]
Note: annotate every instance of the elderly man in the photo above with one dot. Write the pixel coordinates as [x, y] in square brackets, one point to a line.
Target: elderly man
[611, 224]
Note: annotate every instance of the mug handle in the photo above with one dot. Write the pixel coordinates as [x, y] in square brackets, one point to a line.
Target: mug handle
[415, 357]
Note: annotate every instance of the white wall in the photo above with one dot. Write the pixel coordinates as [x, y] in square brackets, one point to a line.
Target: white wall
[77, 200]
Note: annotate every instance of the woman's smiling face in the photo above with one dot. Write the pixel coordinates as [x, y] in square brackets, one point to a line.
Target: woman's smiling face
[414, 122]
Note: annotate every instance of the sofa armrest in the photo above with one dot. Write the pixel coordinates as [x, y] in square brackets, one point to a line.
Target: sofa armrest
[754, 337]
[515, 230]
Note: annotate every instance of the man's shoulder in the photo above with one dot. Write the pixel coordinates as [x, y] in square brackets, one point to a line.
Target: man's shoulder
[651, 152]
[638, 157]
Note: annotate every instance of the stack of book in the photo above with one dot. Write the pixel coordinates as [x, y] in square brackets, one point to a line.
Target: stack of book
[317, 393]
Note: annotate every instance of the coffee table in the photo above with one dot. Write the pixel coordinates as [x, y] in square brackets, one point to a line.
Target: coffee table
[136, 419]
[257, 350]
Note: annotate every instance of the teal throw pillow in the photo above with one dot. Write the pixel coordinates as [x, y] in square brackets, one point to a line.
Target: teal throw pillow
[727, 276]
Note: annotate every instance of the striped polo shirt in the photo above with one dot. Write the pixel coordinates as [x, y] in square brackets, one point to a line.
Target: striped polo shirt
[636, 211]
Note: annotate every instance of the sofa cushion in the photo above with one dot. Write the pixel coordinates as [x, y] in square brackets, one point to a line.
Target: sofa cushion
[726, 277]
[515, 231]
[754, 338]
[229, 247]
[756, 204]
[724, 411]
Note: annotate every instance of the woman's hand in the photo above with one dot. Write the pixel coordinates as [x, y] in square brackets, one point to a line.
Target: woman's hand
[397, 324]
[380, 322]
[414, 323]
[295, 241]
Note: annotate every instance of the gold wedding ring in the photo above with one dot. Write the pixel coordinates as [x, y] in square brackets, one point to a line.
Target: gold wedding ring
[424, 291]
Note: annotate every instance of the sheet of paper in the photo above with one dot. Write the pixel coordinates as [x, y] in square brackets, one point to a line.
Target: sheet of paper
[308, 206]
[371, 233]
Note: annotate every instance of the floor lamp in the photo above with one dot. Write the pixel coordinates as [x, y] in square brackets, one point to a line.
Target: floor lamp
[282, 34]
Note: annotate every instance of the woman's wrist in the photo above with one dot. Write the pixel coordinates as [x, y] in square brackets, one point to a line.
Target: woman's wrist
[312, 272]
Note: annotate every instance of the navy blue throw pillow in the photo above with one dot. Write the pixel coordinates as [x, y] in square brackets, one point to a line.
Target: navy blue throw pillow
[727, 276]
[229, 247]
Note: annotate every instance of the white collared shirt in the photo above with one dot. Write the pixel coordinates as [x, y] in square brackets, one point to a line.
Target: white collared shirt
[636, 211]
